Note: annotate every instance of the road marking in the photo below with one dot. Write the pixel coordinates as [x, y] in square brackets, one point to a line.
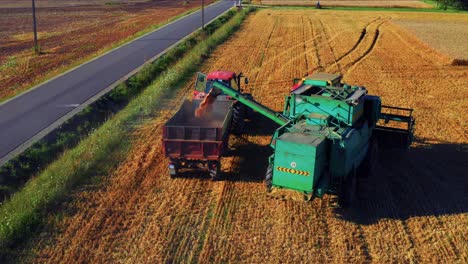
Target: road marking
[69, 105]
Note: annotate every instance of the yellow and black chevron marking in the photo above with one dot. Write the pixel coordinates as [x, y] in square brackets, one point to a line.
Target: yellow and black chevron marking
[293, 171]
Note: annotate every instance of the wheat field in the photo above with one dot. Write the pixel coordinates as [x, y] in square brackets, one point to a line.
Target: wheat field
[416, 210]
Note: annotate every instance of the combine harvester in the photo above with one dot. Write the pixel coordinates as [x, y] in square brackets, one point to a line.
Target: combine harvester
[328, 136]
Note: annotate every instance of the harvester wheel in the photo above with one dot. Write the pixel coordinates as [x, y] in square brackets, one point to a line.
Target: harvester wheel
[348, 190]
[269, 178]
[214, 170]
[237, 120]
[367, 168]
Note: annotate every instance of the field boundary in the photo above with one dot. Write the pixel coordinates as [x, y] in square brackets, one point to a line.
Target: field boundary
[94, 98]
[104, 149]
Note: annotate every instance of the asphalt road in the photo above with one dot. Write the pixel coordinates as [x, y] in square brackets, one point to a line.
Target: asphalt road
[25, 117]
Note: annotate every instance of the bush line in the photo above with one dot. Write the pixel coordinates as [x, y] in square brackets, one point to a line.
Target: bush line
[103, 149]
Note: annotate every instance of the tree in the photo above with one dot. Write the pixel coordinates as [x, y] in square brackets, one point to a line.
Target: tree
[459, 4]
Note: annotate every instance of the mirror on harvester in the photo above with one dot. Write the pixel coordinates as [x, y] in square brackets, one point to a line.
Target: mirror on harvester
[246, 80]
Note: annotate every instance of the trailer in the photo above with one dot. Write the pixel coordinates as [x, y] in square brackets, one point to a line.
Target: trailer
[197, 143]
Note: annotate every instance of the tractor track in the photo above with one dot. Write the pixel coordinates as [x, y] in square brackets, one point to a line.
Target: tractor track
[316, 41]
[330, 46]
[365, 249]
[267, 44]
[369, 50]
[325, 241]
[361, 37]
[304, 41]
[355, 49]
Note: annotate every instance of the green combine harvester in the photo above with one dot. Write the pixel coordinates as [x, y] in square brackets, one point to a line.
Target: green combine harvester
[328, 136]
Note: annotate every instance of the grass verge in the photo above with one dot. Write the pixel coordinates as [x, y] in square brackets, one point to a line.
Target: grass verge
[103, 150]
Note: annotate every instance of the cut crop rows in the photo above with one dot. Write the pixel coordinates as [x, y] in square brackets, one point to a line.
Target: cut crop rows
[417, 206]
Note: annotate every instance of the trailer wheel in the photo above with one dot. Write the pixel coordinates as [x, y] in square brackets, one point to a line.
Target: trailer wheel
[348, 190]
[238, 123]
[214, 170]
[173, 168]
[269, 178]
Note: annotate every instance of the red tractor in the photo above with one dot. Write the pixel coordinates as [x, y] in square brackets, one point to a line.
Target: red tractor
[204, 82]
[231, 79]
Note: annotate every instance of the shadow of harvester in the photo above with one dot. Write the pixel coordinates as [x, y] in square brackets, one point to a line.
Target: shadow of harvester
[427, 180]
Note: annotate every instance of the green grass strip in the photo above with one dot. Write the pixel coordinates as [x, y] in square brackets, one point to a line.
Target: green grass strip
[103, 150]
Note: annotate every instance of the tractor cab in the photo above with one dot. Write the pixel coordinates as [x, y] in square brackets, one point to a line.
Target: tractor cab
[204, 82]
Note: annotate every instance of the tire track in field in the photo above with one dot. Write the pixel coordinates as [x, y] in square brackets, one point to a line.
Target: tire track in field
[361, 37]
[327, 39]
[317, 39]
[355, 51]
[325, 242]
[304, 43]
[267, 45]
[275, 62]
[375, 38]
[286, 65]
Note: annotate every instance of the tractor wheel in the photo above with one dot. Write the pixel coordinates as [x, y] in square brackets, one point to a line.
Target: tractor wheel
[214, 170]
[248, 112]
[238, 124]
[348, 190]
[269, 178]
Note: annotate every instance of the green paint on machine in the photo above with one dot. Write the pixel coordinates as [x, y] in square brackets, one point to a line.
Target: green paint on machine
[301, 152]
[327, 132]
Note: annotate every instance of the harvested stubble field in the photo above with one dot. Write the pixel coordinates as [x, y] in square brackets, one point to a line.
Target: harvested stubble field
[446, 35]
[347, 3]
[70, 32]
[416, 210]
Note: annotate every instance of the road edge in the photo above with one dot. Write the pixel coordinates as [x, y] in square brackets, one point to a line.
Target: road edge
[44, 132]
